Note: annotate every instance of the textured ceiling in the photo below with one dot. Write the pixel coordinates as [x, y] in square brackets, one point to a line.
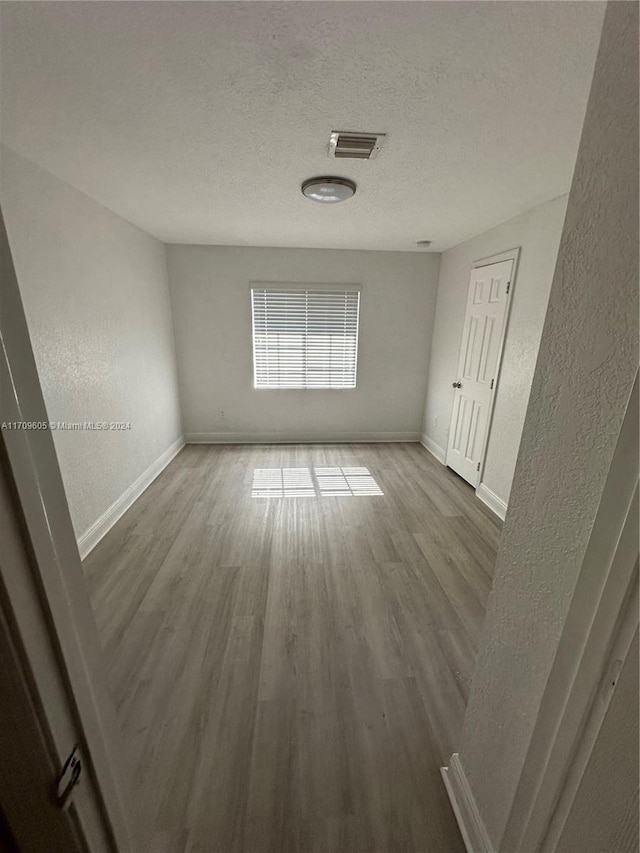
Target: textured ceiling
[198, 121]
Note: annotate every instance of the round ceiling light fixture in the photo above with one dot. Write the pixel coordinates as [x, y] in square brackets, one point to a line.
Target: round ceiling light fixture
[328, 189]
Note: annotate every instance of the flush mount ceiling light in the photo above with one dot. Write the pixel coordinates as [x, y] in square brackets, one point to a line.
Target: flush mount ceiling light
[328, 189]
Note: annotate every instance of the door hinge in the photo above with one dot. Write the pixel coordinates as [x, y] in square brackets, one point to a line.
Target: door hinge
[478, 468]
[508, 286]
[69, 778]
[492, 381]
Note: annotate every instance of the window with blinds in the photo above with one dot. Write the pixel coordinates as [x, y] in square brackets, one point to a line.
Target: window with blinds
[305, 338]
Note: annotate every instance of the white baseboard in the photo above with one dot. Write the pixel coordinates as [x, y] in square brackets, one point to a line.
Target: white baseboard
[297, 437]
[90, 538]
[472, 829]
[495, 504]
[434, 449]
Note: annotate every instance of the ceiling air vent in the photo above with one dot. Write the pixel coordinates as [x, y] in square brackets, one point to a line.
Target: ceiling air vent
[355, 146]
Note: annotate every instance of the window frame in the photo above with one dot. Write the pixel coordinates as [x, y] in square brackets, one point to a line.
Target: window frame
[283, 287]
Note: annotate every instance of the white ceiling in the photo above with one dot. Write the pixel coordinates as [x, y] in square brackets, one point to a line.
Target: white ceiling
[198, 121]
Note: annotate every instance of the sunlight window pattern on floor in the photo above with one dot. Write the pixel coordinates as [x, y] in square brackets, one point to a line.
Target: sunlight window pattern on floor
[282, 483]
[321, 482]
[343, 482]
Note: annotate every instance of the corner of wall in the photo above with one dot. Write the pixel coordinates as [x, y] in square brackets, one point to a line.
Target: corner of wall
[492, 500]
[433, 448]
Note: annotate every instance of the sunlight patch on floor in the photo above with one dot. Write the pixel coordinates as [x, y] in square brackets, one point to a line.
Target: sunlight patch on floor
[282, 483]
[333, 482]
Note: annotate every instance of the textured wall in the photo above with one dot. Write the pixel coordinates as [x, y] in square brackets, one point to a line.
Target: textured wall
[212, 315]
[537, 232]
[585, 371]
[97, 304]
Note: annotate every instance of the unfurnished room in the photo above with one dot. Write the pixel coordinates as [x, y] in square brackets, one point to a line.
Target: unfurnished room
[319, 426]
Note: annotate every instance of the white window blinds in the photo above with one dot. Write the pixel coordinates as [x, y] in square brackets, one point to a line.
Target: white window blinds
[305, 338]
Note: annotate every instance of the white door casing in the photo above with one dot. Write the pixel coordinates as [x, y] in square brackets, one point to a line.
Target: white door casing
[47, 632]
[478, 365]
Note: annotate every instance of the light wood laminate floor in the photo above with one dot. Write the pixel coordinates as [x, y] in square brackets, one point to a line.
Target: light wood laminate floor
[291, 671]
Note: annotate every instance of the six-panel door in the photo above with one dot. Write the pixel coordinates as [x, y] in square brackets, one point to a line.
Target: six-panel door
[477, 367]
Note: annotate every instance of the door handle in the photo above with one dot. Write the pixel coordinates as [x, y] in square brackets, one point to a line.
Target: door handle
[457, 384]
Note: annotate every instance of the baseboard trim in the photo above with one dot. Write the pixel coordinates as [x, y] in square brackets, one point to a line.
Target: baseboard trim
[298, 438]
[90, 538]
[434, 449]
[472, 829]
[495, 504]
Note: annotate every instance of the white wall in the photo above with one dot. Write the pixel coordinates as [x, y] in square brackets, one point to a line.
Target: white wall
[580, 393]
[537, 232]
[96, 299]
[212, 315]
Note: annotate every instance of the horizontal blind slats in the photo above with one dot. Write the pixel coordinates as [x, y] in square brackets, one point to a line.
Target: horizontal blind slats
[305, 338]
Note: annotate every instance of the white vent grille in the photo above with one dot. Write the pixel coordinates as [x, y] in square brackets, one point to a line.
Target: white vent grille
[355, 146]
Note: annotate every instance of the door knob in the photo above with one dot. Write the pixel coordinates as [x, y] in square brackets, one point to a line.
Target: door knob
[457, 384]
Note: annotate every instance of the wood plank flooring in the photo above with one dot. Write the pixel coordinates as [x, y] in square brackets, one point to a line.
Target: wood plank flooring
[290, 672]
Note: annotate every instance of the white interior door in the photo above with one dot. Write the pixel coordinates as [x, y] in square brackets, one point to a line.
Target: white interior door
[477, 366]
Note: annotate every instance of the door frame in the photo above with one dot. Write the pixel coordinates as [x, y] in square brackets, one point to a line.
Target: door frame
[45, 602]
[598, 633]
[29, 749]
[508, 255]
